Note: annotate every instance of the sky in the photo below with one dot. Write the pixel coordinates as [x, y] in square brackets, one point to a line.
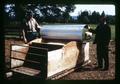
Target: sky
[108, 9]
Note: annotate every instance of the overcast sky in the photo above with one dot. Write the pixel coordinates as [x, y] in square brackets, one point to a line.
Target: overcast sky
[108, 9]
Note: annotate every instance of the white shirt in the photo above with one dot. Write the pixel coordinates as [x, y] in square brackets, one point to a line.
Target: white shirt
[32, 24]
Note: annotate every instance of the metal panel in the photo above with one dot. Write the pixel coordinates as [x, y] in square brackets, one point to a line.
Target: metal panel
[67, 32]
[55, 59]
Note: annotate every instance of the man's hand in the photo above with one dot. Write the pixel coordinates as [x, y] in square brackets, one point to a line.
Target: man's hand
[38, 26]
[25, 40]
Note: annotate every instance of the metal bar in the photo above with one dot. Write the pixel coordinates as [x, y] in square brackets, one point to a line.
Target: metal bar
[10, 56]
[26, 60]
[30, 46]
[7, 49]
[16, 67]
[63, 73]
[43, 61]
[28, 53]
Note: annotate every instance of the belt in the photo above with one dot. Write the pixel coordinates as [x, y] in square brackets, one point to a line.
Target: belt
[30, 32]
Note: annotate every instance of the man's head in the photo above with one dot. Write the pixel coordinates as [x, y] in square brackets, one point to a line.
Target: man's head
[102, 19]
[29, 14]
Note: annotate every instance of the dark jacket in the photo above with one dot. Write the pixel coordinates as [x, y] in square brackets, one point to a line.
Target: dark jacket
[103, 33]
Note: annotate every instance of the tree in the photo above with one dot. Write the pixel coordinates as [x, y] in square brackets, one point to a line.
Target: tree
[95, 17]
[83, 17]
[110, 19]
[103, 14]
[8, 13]
[49, 13]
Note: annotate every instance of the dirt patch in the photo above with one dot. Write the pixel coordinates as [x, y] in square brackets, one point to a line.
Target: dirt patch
[88, 73]
[82, 73]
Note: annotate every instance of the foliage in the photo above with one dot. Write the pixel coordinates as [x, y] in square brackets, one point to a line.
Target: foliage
[42, 12]
[52, 13]
[85, 17]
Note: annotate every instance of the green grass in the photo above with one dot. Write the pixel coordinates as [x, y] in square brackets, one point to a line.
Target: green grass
[93, 26]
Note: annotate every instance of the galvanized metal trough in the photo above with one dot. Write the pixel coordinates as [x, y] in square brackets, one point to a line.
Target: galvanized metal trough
[51, 56]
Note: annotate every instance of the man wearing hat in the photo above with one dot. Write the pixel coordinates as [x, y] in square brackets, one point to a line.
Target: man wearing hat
[102, 39]
[31, 29]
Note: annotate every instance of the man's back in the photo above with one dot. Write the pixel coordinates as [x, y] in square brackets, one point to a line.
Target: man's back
[102, 33]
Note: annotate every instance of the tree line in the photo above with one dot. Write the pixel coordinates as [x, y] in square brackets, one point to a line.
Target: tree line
[52, 13]
[87, 17]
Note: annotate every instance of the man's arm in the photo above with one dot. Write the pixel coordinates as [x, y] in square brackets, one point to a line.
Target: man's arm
[24, 38]
[109, 33]
[37, 25]
[90, 30]
[38, 28]
[23, 25]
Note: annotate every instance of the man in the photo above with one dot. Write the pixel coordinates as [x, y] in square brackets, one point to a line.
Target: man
[102, 39]
[31, 28]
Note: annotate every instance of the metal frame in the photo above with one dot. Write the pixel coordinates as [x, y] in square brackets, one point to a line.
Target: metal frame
[42, 62]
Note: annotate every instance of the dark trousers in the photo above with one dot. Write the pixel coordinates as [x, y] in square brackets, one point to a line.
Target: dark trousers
[102, 56]
[31, 36]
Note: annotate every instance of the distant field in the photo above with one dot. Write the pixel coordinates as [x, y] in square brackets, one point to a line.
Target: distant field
[93, 26]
